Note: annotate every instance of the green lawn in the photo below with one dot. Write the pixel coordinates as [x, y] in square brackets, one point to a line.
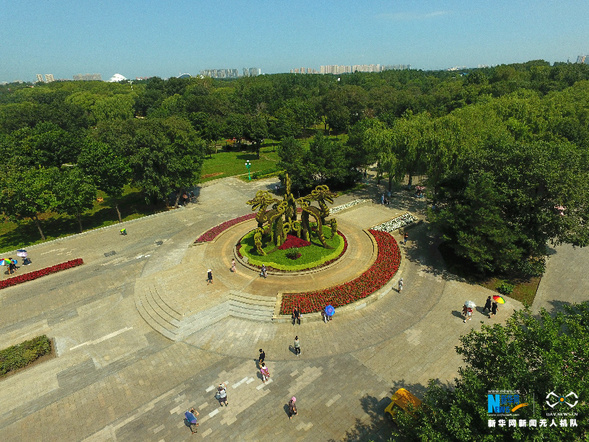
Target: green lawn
[311, 256]
[231, 163]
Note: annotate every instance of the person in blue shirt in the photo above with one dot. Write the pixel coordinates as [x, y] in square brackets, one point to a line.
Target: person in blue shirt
[191, 417]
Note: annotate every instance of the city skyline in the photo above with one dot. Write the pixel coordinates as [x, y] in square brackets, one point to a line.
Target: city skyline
[143, 39]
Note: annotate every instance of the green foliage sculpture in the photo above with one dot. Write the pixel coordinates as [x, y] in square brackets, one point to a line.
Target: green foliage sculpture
[281, 219]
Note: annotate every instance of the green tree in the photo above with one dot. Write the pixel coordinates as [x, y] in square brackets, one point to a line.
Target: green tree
[166, 156]
[530, 354]
[108, 168]
[292, 156]
[26, 193]
[74, 192]
[499, 208]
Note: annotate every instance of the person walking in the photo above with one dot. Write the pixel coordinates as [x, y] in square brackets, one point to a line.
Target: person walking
[464, 312]
[487, 304]
[400, 285]
[191, 416]
[222, 394]
[262, 356]
[209, 276]
[297, 346]
[405, 237]
[494, 308]
[233, 269]
[292, 408]
[265, 373]
[296, 316]
[264, 271]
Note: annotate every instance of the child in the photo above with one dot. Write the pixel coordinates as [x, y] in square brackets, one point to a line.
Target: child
[265, 373]
[292, 408]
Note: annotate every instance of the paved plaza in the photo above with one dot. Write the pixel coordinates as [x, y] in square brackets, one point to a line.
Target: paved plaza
[141, 337]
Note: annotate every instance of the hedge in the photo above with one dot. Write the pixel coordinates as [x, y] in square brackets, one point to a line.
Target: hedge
[23, 354]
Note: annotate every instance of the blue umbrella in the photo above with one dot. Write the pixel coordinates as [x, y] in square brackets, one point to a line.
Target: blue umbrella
[329, 310]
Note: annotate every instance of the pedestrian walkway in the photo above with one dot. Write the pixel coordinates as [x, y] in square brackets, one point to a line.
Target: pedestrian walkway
[117, 377]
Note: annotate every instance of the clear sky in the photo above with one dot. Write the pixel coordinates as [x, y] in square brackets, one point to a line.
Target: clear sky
[168, 37]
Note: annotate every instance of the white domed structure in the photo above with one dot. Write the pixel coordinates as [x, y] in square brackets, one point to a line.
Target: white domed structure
[116, 78]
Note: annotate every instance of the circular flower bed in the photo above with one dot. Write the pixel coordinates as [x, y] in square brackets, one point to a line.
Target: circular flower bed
[384, 268]
[311, 255]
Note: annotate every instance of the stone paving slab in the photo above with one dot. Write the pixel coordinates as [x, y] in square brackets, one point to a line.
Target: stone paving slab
[117, 379]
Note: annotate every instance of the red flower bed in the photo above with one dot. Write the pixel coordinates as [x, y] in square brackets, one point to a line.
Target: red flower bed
[39, 273]
[293, 242]
[384, 268]
[211, 234]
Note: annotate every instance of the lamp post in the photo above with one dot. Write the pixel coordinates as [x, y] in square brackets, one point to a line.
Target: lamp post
[248, 165]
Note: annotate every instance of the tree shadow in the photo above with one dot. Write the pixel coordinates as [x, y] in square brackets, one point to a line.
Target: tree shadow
[377, 427]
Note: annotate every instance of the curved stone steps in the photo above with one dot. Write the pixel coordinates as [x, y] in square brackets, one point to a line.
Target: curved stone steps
[167, 321]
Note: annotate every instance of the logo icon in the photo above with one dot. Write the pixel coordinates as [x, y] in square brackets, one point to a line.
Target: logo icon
[506, 403]
[560, 399]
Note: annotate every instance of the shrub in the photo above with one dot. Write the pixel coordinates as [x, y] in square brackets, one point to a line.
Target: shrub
[532, 267]
[293, 255]
[505, 288]
[23, 354]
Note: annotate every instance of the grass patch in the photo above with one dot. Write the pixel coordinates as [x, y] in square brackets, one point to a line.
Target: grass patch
[229, 163]
[24, 354]
[524, 289]
[312, 256]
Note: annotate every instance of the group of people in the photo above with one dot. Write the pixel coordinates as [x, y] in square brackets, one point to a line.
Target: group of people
[191, 416]
[265, 372]
[490, 305]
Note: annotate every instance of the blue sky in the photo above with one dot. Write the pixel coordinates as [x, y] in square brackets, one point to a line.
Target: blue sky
[165, 38]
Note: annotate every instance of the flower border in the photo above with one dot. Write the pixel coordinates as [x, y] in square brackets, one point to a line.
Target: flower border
[39, 273]
[211, 234]
[384, 268]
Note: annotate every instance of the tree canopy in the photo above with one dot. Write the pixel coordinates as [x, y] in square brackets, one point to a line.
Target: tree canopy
[531, 355]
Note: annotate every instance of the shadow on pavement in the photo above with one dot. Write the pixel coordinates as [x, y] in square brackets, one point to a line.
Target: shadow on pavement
[378, 428]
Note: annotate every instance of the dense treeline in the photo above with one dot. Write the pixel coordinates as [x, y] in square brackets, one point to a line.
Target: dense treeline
[504, 149]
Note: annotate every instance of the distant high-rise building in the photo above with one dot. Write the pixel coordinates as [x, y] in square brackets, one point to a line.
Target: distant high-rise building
[88, 77]
[40, 78]
[251, 72]
[303, 71]
[220, 73]
[583, 59]
[342, 69]
[49, 78]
